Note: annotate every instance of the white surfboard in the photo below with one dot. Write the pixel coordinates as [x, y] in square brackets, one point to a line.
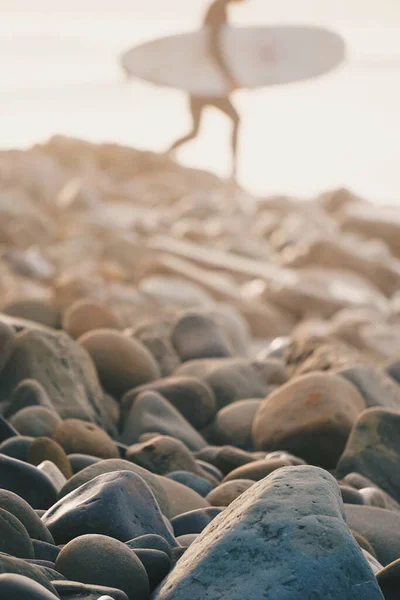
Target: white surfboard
[257, 56]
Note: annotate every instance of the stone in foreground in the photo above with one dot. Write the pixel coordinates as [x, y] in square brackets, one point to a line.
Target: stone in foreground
[285, 538]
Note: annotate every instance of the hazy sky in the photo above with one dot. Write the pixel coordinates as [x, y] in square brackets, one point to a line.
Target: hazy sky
[59, 73]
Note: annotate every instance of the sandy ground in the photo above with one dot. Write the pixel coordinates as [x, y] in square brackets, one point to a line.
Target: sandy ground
[59, 73]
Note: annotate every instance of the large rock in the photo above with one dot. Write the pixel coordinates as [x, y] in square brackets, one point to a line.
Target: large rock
[373, 449]
[283, 538]
[311, 416]
[119, 505]
[62, 367]
[152, 413]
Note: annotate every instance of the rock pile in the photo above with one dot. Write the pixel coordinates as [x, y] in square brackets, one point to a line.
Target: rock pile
[199, 390]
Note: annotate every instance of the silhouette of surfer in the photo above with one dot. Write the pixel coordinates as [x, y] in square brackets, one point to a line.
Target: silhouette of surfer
[216, 17]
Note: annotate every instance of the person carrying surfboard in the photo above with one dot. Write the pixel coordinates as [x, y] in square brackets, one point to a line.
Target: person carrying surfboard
[215, 18]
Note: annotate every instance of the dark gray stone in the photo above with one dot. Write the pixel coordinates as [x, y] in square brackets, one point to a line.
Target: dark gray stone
[10, 564]
[197, 483]
[194, 521]
[118, 464]
[26, 481]
[374, 385]
[73, 590]
[373, 449]
[381, 527]
[18, 587]
[119, 505]
[284, 538]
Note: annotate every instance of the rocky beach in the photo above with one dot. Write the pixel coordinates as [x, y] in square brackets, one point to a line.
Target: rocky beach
[199, 389]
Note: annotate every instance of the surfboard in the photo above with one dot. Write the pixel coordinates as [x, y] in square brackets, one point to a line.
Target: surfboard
[257, 56]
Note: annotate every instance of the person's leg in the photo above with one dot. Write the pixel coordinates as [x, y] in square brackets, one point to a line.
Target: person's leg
[225, 105]
[196, 107]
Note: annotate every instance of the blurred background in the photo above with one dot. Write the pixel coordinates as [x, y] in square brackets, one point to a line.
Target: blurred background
[59, 73]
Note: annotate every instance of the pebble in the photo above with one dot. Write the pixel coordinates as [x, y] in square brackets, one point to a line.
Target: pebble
[163, 351]
[38, 311]
[113, 465]
[233, 424]
[257, 470]
[17, 447]
[27, 393]
[156, 563]
[293, 521]
[18, 507]
[373, 449]
[164, 454]
[36, 421]
[45, 551]
[381, 527]
[26, 481]
[14, 538]
[101, 560]
[87, 315]
[7, 431]
[311, 416]
[7, 343]
[72, 590]
[13, 587]
[374, 385]
[152, 541]
[194, 521]
[197, 335]
[79, 462]
[187, 539]
[181, 499]
[118, 504]
[53, 473]
[81, 437]
[45, 449]
[122, 363]
[150, 413]
[350, 495]
[230, 379]
[227, 492]
[18, 566]
[193, 398]
[197, 483]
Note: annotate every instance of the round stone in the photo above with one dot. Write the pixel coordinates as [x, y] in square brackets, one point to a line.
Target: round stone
[36, 421]
[87, 315]
[102, 560]
[14, 538]
[122, 363]
[82, 437]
